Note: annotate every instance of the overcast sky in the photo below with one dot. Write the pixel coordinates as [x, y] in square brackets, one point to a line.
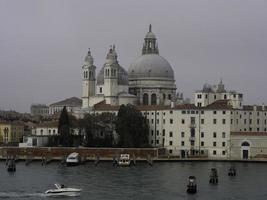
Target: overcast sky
[43, 44]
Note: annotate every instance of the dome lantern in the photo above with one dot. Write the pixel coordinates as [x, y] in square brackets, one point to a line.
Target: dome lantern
[150, 45]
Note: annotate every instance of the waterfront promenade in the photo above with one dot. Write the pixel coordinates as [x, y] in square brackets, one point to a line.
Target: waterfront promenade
[105, 154]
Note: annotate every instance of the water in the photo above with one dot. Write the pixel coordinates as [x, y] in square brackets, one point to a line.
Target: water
[162, 181]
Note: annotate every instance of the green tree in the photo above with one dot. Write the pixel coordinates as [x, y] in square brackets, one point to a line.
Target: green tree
[64, 128]
[132, 127]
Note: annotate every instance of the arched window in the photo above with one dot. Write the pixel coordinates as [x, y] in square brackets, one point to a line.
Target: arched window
[86, 74]
[90, 74]
[145, 99]
[245, 144]
[153, 99]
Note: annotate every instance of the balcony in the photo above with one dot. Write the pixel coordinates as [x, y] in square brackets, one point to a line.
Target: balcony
[192, 139]
[192, 125]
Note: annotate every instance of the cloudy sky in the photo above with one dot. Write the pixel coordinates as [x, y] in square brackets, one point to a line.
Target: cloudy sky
[43, 44]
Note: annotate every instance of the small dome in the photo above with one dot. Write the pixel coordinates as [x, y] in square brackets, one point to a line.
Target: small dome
[122, 76]
[89, 58]
[150, 35]
[151, 65]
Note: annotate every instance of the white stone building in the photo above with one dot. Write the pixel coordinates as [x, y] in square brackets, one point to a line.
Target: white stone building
[207, 128]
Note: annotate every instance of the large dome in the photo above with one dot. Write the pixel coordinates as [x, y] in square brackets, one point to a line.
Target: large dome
[151, 66]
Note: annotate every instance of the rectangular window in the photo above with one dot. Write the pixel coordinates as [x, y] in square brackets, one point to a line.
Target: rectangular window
[171, 111]
[170, 143]
[223, 144]
[214, 121]
[182, 143]
[223, 121]
[100, 90]
[223, 134]
[182, 134]
[183, 112]
[245, 121]
[202, 112]
[223, 152]
[170, 134]
[202, 143]
[202, 121]
[163, 132]
[152, 132]
[223, 112]
[152, 121]
[163, 121]
[182, 121]
[214, 144]
[214, 112]
[202, 134]
[214, 152]
[214, 134]
[171, 121]
[157, 132]
[258, 121]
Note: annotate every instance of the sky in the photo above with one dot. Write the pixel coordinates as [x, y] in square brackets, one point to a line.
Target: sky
[43, 44]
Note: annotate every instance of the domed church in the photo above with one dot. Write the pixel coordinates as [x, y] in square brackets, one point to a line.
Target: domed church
[149, 81]
[151, 77]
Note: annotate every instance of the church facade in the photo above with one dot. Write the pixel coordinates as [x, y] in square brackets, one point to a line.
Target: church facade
[148, 81]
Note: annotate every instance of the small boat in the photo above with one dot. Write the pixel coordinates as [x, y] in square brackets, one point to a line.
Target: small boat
[61, 190]
[73, 159]
[214, 176]
[192, 185]
[124, 160]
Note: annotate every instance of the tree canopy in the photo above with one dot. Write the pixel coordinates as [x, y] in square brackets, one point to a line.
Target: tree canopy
[64, 128]
[131, 127]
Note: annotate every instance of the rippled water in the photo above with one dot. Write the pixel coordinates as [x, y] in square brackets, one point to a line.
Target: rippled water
[162, 181]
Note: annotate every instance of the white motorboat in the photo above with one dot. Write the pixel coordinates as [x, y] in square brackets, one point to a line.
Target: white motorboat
[61, 190]
[124, 160]
[73, 159]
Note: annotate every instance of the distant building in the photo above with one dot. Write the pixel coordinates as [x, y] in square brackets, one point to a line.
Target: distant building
[39, 110]
[72, 104]
[11, 132]
[210, 94]
[49, 128]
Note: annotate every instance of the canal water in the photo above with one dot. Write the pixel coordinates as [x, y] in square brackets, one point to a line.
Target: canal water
[162, 181]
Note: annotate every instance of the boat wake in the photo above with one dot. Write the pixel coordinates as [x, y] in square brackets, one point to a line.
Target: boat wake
[18, 195]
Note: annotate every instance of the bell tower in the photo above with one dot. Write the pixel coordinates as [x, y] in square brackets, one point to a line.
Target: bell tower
[89, 80]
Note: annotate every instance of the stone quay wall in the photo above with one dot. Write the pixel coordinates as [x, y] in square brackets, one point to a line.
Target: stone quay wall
[86, 153]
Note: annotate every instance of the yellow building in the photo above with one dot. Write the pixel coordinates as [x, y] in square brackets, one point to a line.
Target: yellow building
[11, 132]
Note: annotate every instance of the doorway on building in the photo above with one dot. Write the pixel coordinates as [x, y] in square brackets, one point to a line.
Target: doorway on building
[245, 154]
[182, 153]
[245, 148]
